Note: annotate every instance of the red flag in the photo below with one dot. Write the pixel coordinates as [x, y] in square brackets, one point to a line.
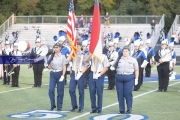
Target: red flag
[71, 29]
[96, 42]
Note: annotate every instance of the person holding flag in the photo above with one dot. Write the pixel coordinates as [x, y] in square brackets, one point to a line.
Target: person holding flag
[99, 63]
[78, 65]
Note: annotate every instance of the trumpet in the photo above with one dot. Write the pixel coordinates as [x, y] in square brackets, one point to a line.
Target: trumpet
[11, 71]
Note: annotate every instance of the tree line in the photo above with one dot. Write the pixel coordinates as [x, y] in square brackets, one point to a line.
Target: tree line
[115, 7]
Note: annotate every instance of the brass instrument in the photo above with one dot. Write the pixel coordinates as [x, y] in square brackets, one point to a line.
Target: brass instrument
[157, 63]
[11, 71]
[151, 62]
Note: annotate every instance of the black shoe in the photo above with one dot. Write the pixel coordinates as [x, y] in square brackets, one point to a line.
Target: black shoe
[112, 88]
[52, 108]
[59, 110]
[128, 112]
[99, 111]
[93, 111]
[34, 86]
[165, 90]
[121, 112]
[159, 90]
[74, 108]
[80, 111]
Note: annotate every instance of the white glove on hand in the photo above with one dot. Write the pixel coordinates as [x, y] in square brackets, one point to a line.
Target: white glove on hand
[78, 76]
[112, 68]
[98, 75]
[95, 76]
[136, 81]
[61, 79]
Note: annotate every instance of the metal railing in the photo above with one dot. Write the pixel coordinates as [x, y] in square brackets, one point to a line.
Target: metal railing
[63, 19]
[174, 26]
[7, 24]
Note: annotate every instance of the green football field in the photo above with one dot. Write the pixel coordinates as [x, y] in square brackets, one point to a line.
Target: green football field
[26, 102]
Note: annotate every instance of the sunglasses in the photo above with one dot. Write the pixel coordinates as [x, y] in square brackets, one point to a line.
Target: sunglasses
[56, 47]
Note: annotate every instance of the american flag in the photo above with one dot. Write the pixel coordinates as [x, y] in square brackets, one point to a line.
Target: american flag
[71, 29]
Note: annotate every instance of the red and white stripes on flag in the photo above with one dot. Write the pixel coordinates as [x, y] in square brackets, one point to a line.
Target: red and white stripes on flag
[96, 42]
[71, 29]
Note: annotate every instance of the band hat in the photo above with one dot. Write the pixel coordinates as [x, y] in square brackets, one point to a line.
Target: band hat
[116, 40]
[15, 45]
[141, 42]
[85, 43]
[62, 38]
[171, 42]
[165, 41]
[137, 42]
[148, 41]
[111, 44]
[6, 42]
[38, 40]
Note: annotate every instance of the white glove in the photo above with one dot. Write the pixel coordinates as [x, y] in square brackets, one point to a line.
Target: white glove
[95, 76]
[136, 81]
[78, 76]
[98, 75]
[61, 79]
[112, 68]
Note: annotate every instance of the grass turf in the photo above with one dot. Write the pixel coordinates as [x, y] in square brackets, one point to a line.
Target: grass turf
[155, 105]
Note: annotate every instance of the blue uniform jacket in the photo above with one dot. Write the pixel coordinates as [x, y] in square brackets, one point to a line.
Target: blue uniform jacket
[150, 52]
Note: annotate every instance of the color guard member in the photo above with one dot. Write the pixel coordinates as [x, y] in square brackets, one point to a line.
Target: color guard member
[79, 68]
[126, 76]
[162, 57]
[58, 66]
[96, 81]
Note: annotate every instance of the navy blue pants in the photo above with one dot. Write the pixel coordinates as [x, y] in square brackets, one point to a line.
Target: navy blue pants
[54, 79]
[96, 86]
[72, 90]
[124, 87]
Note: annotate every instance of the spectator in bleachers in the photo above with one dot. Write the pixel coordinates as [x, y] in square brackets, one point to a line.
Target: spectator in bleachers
[76, 20]
[90, 21]
[153, 24]
[81, 22]
[106, 17]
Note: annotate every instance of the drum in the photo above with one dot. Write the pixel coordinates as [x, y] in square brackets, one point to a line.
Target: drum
[48, 49]
[23, 46]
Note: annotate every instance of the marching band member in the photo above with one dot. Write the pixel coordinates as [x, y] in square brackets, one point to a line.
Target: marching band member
[150, 56]
[112, 55]
[15, 67]
[126, 77]
[106, 47]
[116, 41]
[38, 63]
[163, 56]
[57, 62]
[1, 65]
[79, 68]
[6, 66]
[142, 62]
[173, 60]
[141, 47]
[96, 81]
[85, 46]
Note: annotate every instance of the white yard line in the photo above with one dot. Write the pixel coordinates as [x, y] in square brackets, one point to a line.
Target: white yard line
[87, 113]
[18, 89]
